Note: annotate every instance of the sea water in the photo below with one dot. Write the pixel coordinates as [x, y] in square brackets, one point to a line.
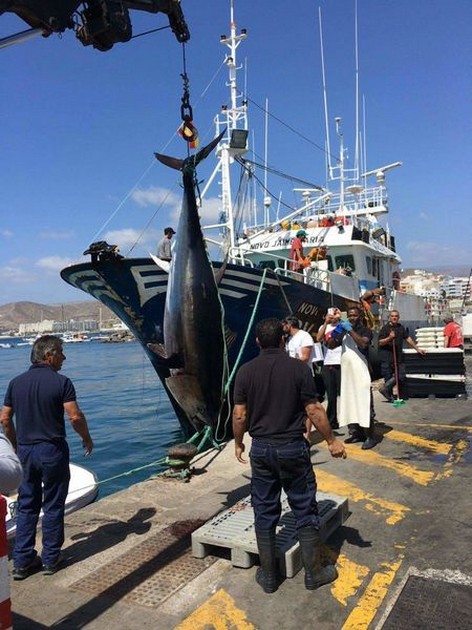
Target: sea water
[130, 418]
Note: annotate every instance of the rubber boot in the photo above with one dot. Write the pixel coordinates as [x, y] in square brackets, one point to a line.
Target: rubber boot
[266, 575]
[310, 547]
[371, 440]
[387, 389]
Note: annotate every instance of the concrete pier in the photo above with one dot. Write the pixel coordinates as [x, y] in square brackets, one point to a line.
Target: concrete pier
[128, 560]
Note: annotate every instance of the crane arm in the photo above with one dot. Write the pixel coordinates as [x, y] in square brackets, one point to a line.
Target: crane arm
[101, 23]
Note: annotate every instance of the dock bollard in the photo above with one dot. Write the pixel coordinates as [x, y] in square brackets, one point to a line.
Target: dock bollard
[5, 602]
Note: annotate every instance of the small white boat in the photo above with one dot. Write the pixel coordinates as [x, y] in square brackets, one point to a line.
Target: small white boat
[83, 489]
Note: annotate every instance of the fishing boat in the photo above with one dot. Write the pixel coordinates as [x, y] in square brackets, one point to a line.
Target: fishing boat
[348, 249]
[83, 489]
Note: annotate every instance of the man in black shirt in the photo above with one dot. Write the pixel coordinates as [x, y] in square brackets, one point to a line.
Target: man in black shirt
[394, 333]
[272, 395]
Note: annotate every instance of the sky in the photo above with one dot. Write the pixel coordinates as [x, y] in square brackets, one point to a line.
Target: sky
[79, 126]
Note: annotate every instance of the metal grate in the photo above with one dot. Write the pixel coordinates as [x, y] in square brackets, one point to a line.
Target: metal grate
[433, 604]
[151, 571]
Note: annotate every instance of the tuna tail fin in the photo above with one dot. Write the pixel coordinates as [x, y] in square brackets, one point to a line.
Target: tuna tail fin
[191, 161]
[205, 152]
[170, 161]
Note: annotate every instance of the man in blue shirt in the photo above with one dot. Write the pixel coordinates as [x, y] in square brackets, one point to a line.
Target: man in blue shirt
[38, 399]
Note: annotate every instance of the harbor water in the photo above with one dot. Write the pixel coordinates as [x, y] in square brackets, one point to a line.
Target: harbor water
[130, 418]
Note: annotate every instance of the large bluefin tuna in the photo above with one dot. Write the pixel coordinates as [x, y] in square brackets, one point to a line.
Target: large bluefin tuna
[194, 337]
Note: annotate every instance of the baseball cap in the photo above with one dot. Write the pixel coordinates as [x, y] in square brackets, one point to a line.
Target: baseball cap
[301, 233]
[169, 230]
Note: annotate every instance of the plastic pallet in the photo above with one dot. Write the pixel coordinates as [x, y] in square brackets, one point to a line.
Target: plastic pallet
[234, 529]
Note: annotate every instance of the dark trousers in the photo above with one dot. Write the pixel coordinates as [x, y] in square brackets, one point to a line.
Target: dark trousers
[387, 369]
[286, 466]
[45, 471]
[332, 380]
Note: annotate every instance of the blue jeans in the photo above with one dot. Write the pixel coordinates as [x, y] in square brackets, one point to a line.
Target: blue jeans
[45, 484]
[286, 466]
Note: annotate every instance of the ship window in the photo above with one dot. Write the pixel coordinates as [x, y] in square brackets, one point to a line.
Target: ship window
[330, 263]
[368, 261]
[345, 261]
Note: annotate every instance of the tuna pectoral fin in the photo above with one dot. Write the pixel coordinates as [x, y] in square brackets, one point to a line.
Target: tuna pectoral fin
[172, 362]
[188, 394]
[159, 349]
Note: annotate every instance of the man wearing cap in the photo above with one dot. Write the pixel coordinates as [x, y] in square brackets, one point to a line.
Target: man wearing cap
[163, 248]
[296, 252]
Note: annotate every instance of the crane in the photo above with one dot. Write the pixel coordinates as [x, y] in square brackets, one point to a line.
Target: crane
[99, 23]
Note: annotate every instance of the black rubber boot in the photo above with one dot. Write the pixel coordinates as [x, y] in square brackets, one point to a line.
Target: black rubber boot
[387, 389]
[315, 574]
[266, 575]
[372, 440]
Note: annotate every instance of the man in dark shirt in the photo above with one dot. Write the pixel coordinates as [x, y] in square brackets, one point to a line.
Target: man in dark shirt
[394, 333]
[273, 394]
[38, 398]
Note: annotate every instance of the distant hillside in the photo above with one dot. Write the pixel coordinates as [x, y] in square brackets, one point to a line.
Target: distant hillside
[16, 313]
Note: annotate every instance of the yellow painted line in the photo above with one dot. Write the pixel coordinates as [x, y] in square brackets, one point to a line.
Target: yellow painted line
[430, 425]
[362, 615]
[454, 456]
[371, 458]
[393, 512]
[442, 448]
[351, 575]
[217, 613]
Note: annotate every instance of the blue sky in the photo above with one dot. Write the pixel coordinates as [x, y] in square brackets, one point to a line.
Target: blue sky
[79, 127]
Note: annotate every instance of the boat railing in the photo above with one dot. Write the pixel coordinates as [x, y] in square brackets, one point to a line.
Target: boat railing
[314, 275]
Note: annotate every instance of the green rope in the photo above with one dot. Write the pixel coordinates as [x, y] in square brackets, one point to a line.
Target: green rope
[243, 345]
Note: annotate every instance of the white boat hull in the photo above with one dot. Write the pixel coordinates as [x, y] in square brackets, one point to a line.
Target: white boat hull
[83, 489]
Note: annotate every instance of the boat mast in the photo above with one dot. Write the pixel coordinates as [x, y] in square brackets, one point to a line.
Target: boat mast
[234, 119]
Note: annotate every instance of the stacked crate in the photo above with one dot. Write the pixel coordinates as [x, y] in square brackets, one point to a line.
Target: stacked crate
[428, 338]
[438, 373]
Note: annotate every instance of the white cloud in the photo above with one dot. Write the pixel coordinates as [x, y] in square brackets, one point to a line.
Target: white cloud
[15, 274]
[210, 210]
[53, 263]
[156, 196]
[128, 237]
[6, 233]
[424, 216]
[56, 235]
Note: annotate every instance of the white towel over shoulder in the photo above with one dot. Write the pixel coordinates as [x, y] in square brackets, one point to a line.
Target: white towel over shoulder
[355, 386]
